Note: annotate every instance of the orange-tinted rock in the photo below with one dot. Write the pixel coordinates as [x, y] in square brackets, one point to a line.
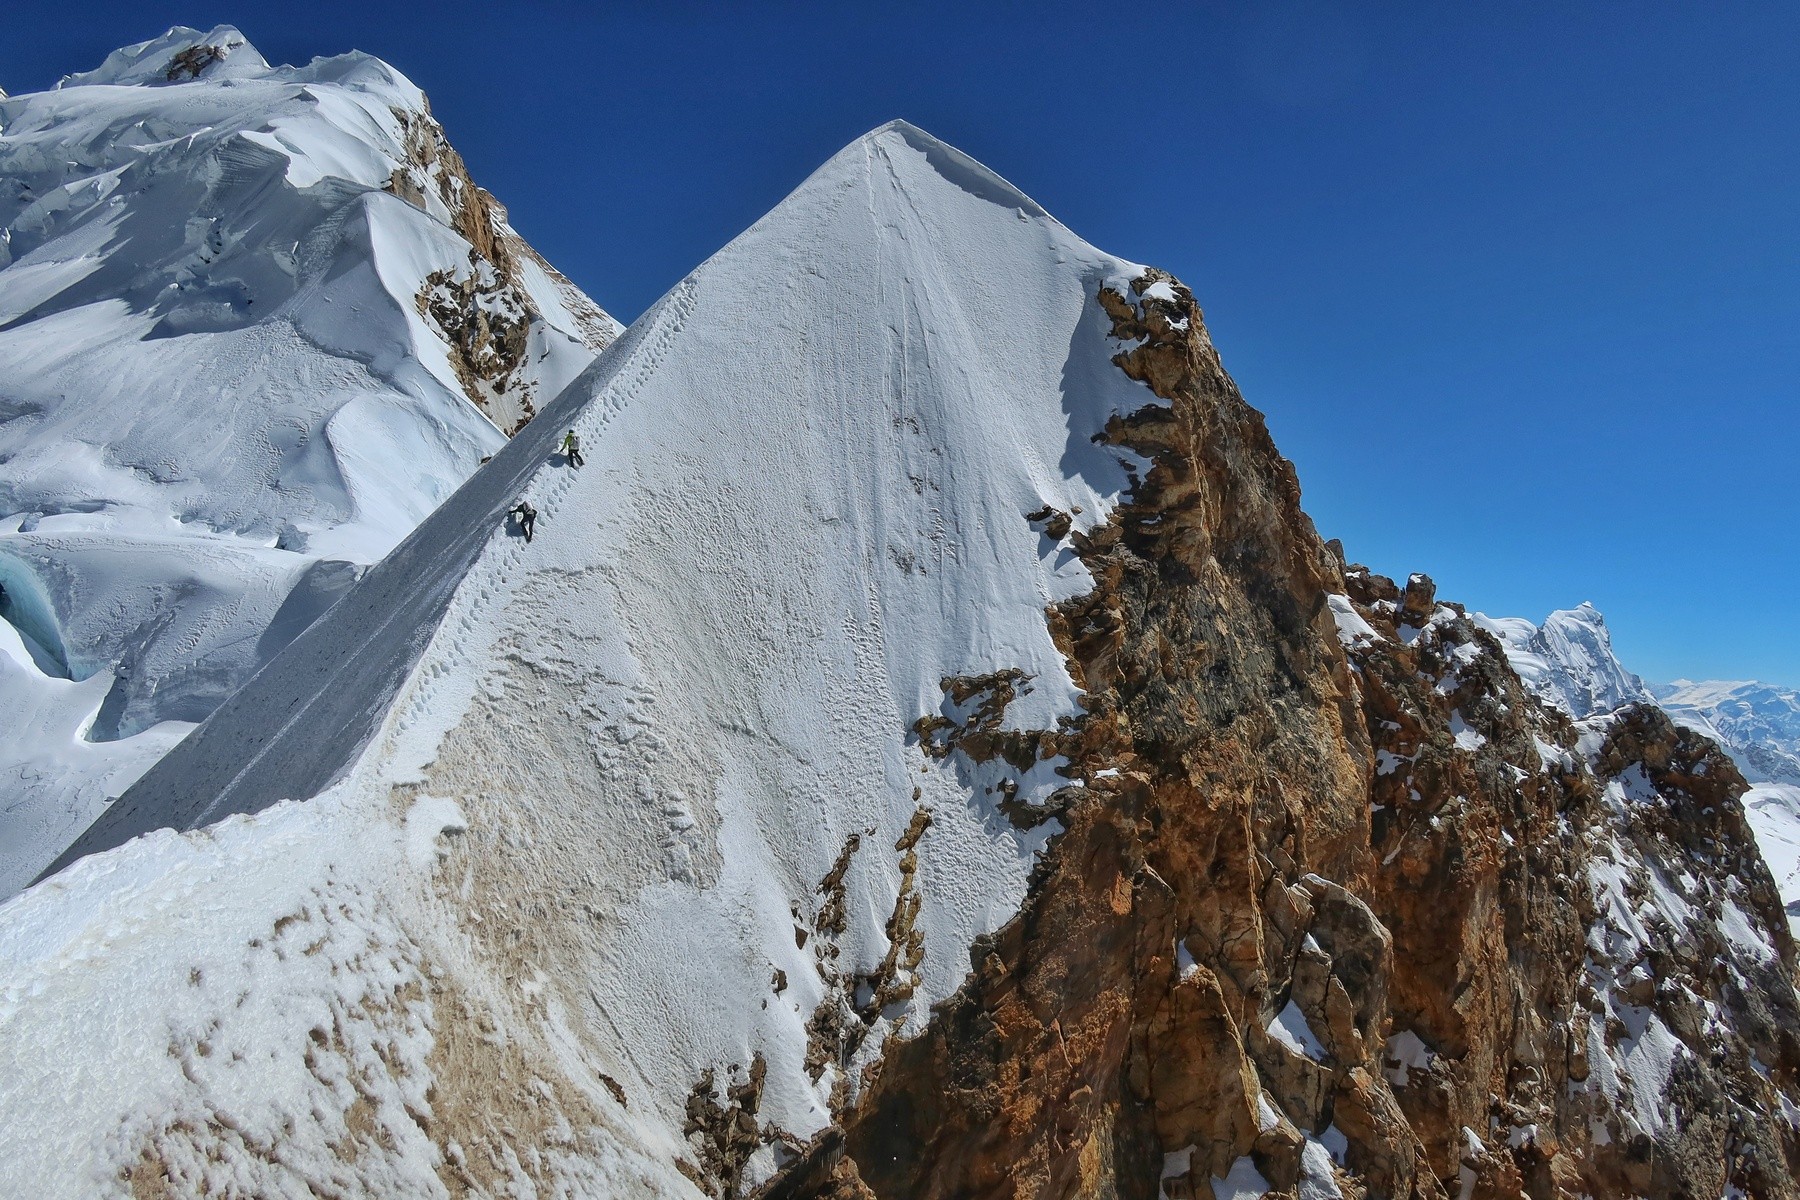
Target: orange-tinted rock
[1396, 845]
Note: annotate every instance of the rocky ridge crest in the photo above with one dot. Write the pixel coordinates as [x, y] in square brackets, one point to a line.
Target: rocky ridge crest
[1343, 907]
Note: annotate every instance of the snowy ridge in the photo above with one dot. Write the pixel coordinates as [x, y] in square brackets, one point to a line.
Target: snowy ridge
[336, 683]
[237, 306]
[644, 792]
[1568, 660]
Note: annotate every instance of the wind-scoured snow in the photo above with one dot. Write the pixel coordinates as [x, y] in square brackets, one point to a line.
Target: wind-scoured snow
[218, 395]
[646, 736]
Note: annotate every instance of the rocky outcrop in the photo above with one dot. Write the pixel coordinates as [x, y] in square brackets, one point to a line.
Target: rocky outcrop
[192, 62]
[1340, 908]
[484, 312]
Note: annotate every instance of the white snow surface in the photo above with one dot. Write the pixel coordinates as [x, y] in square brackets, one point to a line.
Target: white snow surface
[1568, 660]
[1405, 1052]
[218, 397]
[1242, 1182]
[1352, 630]
[1317, 1179]
[1291, 1028]
[1773, 810]
[660, 721]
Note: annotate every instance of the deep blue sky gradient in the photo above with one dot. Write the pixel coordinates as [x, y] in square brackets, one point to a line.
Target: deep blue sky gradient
[1518, 286]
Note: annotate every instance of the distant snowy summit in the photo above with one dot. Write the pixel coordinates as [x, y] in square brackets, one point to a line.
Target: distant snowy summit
[255, 323]
[1568, 660]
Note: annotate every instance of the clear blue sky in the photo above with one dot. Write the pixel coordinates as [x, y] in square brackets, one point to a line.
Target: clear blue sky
[1518, 285]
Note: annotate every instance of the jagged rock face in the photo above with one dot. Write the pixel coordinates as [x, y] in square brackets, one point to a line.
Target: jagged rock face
[485, 309]
[1690, 954]
[1568, 661]
[1368, 920]
[1552, 897]
[1124, 1015]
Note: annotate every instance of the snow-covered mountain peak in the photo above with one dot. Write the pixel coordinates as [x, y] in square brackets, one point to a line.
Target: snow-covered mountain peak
[953, 166]
[1568, 660]
[843, 464]
[255, 323]
[951, 411]
[178, 55]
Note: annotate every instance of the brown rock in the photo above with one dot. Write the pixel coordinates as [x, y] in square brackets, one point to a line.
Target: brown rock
[1299, 825]
[1419, 601]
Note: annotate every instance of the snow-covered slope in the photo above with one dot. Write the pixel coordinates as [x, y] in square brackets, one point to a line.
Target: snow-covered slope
[1773, 810]
[1568, 660]
[247, 314]
[636, 809]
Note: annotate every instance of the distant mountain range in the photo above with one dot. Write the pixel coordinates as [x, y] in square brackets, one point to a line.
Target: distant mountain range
[1758, 722]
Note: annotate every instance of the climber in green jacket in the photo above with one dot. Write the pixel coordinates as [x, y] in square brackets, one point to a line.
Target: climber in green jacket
[571, 448]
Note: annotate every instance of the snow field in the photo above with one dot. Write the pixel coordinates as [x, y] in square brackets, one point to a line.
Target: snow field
[662, 722]
[216, 378]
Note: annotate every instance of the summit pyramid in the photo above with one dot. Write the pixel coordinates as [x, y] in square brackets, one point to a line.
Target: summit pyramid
[812, 475]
